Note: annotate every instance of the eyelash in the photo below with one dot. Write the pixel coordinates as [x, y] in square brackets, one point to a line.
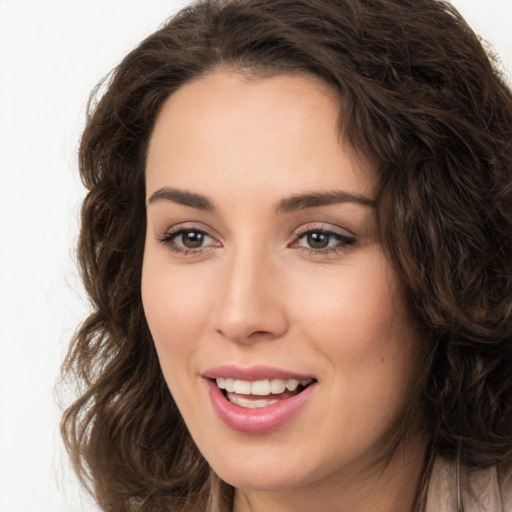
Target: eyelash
[169, 237]
[343, 241]
[342, 245]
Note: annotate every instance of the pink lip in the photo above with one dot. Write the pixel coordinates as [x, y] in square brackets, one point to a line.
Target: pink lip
[261, 420]
[253, 373]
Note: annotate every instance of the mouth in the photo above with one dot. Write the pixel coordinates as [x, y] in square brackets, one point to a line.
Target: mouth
[258, 399]
[260, 393]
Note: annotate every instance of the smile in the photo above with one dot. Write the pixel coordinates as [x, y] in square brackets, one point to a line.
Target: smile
[245, 393]
[249, 403]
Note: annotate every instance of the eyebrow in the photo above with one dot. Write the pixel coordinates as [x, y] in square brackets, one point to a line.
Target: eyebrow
[290, 204]
[183, 197]
[315, 199]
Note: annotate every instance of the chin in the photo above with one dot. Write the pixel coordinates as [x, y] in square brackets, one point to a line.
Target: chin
[267, 468]
[263, 479]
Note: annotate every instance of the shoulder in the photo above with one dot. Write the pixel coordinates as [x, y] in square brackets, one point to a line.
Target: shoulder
[482, 490]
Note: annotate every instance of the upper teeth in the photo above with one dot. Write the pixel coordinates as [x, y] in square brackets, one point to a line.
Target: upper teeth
[260, 387]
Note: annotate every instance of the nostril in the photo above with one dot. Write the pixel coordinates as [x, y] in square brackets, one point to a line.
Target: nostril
[260, 333]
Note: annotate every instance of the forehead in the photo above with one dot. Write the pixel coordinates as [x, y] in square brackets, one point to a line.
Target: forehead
[229, 125]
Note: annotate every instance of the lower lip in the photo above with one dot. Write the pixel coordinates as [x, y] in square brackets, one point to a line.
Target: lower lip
[261, 420]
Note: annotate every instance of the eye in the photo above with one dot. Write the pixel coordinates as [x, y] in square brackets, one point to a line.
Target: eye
[191, 239]
[320, 241]
[188, 240]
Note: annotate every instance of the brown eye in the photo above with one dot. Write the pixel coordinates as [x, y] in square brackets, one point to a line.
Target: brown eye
[318, 239]
[192, 239]
[188, 239]
[321, 242]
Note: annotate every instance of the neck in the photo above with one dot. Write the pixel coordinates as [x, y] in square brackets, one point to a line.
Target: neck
[388, 486]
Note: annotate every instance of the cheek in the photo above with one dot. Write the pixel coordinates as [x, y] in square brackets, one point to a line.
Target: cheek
[172, 294]
[359, 311]
[360, 325]
[176, 304]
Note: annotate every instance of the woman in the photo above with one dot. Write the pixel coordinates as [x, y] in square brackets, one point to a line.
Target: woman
[298, 249]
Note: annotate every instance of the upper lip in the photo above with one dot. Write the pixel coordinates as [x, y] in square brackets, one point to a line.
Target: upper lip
[253, 373]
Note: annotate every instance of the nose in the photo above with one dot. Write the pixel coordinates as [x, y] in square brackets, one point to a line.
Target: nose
[251, 304]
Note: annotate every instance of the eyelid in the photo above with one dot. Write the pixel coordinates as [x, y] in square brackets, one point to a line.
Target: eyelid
[346, 239]
[170, 234]
[326, 228]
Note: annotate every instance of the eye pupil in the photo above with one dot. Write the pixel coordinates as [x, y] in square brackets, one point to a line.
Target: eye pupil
[192, 239]
[317, 240]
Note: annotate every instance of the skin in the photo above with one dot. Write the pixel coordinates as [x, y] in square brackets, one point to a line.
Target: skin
[254, 291]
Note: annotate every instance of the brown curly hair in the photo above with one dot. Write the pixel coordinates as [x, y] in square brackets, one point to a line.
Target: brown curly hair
[420, 96]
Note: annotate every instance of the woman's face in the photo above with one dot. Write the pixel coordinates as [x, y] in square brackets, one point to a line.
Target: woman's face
[263, 267]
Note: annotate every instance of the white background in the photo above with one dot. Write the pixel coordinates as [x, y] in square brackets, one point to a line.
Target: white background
[52, 53]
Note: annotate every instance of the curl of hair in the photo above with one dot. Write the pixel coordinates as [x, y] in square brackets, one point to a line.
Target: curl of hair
[419, 95]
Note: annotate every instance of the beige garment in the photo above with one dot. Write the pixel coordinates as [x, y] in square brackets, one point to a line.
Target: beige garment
[481, 491]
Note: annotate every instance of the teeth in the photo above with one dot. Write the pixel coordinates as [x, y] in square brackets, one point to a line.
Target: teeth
[291, 385]
[260, 387]
[230, 385]
[242, 387]
[277, 386]
[251, 404]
